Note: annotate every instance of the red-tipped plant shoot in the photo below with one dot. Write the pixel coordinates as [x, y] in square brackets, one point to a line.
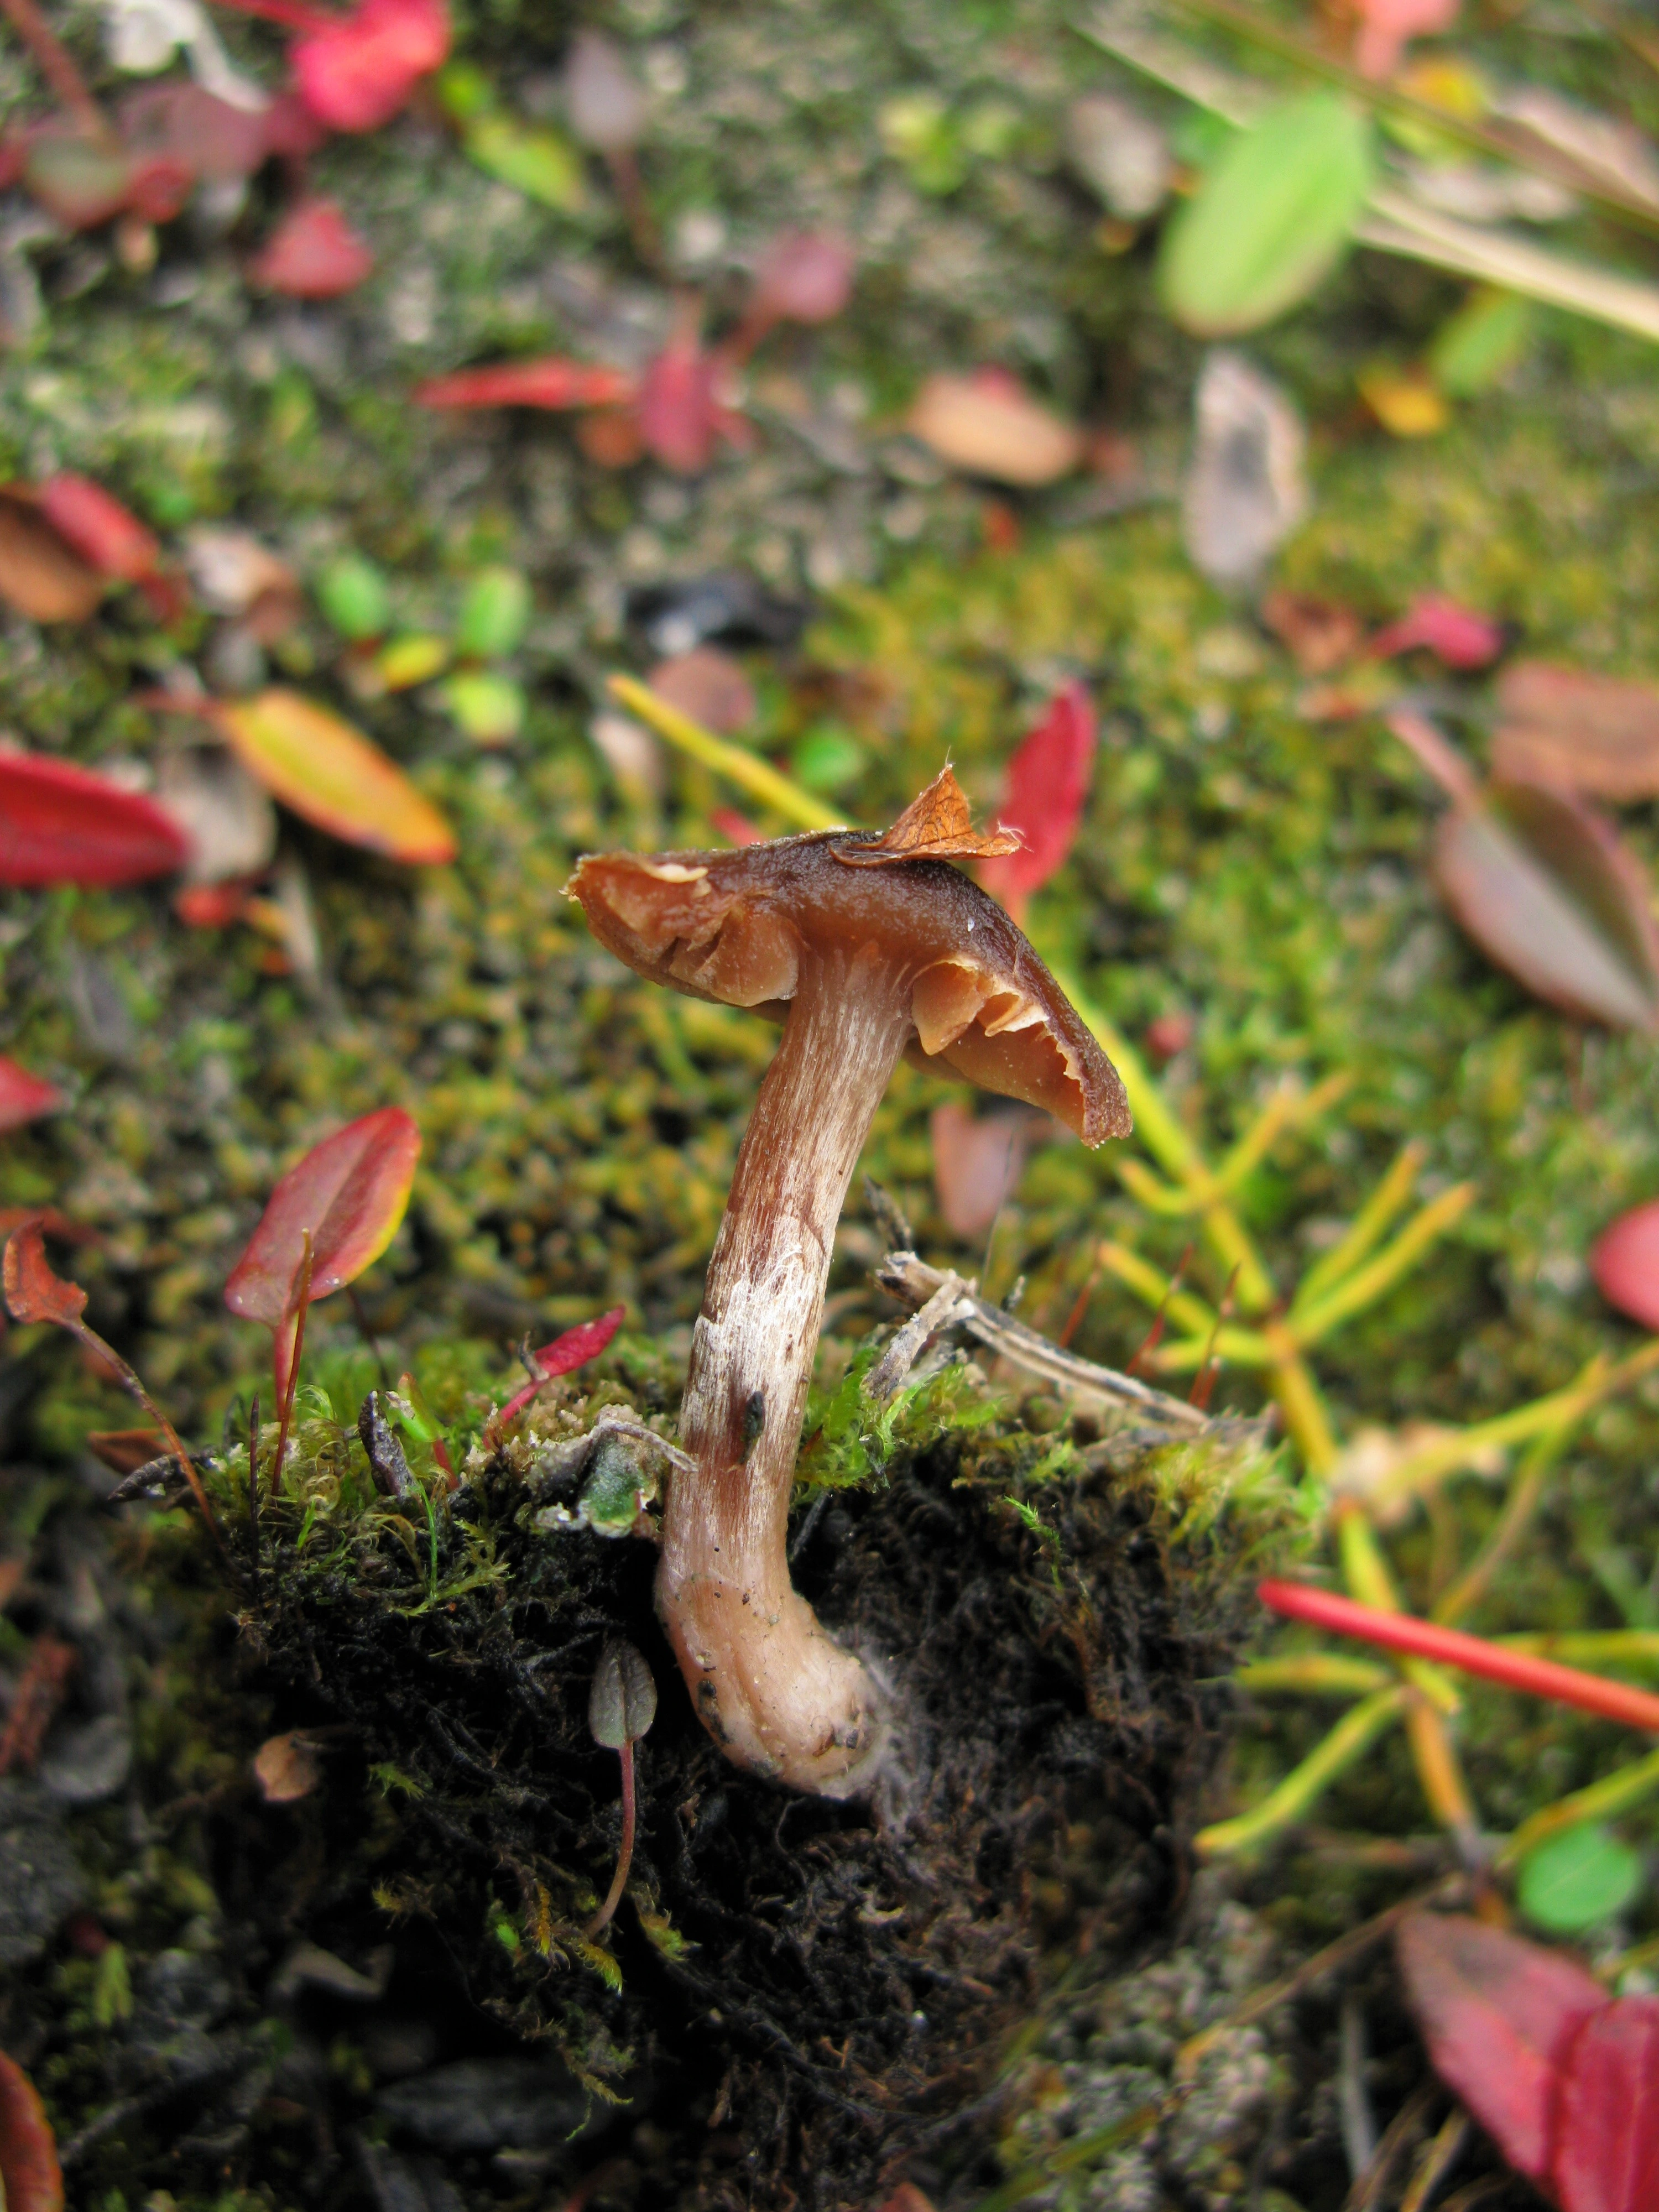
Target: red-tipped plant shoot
[566, 1352]
[342, 1204]
[1043, 800]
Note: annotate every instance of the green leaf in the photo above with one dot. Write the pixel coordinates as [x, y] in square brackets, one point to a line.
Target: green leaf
[1486, 337]
[538, 163]
[493, 614]
[1578, 1880]
[1270, 219]
[354, 597]
[490, 709]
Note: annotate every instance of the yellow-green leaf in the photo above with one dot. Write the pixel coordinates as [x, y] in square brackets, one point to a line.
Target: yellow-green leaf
[1270, 217]
[316, 763]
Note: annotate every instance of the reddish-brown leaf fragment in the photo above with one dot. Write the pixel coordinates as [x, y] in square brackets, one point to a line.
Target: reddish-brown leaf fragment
[313, 253]
[1547, 890]
[1319, 633]
[937, 825]
[1454, 634]
[1043, 800]
[707, 685]
[32, 2178]
[34, 1293]
[977, 1159]
[1498, 2014]
[39, 575]
[24, 1097]
[63, 825]
[34, 1703]
[551, 381]
[1624, 1261]
[99, 528]
[1606, 2135]
[286, 1767]
[585, 1341]
[1583, 733]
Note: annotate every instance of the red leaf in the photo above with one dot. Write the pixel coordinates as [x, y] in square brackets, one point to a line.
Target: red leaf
[99, 528]
[31, 2177]
[803, 277]
[183, 122]
[34, 1293]
[23, 1097]
[1451, 633]
[355, 75]
[1498, 2014]
[351, 1192]
[571, 1350]
[680, 410]
[38, 575]
[313, 253]
[1624, 1261]
[551, 381]
[1048, 784]
[62, 824]
[736, 829]
[1607, 2145]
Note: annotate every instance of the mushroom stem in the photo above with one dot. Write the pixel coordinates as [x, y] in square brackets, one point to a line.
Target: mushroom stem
[778, 1694]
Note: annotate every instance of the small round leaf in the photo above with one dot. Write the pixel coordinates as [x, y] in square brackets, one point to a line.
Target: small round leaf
[1270, 219]
[623, 1703]
[1578, 1880]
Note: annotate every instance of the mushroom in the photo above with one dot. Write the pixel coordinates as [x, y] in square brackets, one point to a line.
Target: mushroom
[864, 949]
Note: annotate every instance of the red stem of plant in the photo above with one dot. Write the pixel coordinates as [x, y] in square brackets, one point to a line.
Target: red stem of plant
[303, 1299]
[625, 1855]
[1472, 1655]
[57, 66]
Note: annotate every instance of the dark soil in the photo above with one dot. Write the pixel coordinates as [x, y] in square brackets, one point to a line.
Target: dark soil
[807, 1998]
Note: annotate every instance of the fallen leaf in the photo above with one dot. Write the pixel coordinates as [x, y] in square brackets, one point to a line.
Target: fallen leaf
[709, 686]
[1245, 490]
[1120, 152]
[24, 1097]
[603, 97]
[1384, 27]
[1565, 725]
[1498, 2014]
[1625, 1262]
[39, 574]
[355, 74]
[329, 773]
[1546, 889]
[540, 163]
[286, 1768]
[124, 1451]
[551, 381]
[989, 426]
[235, 573]
[977, 1161]
[63, 825]
[313, 253]
[1453, 634]
[34, 1293]
[1271, 217]
[348, 1192]
[736, 829]
[180, 121]
[227, 817]
[679, 409]
[803, 277]
[31, 2179]
[1043, 798]
[937, 825]
[1407, 402]
[98, 527]
[1606, 2143]
[1320, 634]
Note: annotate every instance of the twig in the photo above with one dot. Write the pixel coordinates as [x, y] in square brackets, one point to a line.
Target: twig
[906, 1348]
[58, 67]
[1366, 2195]
[1437, 2162]
[916, 1283]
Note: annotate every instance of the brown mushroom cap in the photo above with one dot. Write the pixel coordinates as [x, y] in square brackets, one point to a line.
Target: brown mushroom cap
[735, 926]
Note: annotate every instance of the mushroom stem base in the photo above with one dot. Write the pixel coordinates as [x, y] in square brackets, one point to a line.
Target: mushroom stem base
[779, 1695]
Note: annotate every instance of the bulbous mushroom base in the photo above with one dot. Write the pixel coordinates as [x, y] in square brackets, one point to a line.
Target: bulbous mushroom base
[778, 1694]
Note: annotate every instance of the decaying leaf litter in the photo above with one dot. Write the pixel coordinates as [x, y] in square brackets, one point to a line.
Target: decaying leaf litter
[1246, 884]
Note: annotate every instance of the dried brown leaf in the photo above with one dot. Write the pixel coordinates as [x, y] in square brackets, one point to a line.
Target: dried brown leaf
[935, 826]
